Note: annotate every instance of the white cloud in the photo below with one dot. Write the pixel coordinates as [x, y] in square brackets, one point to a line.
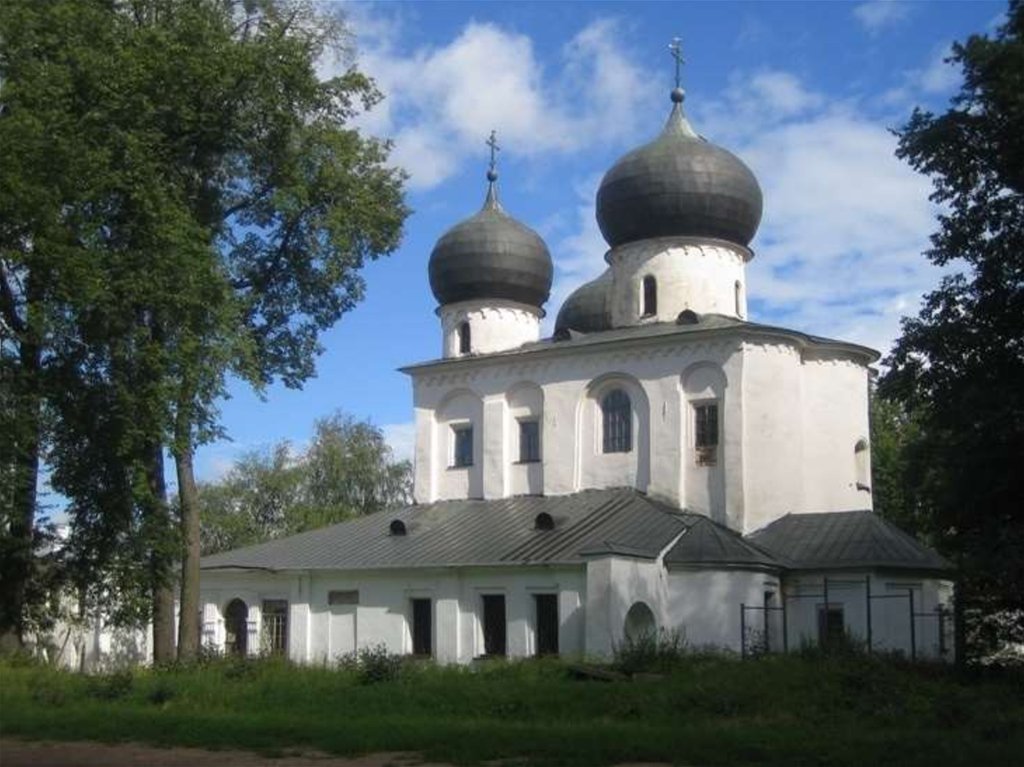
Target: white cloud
[443, 101]
[877, 15]
[936, 78]
[401, 438]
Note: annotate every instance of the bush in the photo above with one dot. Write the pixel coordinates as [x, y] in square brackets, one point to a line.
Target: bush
[111, 686]
[650, 652]
[373, 664]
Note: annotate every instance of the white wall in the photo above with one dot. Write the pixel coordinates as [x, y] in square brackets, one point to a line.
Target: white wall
[319, 632]
[494, 325]
[704, 605]
[689, 275]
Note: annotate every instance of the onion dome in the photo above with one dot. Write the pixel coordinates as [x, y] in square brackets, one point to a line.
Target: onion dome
[679, 185]
[491, 256]
[588, 308]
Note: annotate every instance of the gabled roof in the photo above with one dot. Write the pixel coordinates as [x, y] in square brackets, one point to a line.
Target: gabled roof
[706, 543]
[474, 532]
[844, 540]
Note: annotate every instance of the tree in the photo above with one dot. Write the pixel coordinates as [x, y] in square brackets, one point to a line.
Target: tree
[230, 215]
[348, 470]
[958, 367]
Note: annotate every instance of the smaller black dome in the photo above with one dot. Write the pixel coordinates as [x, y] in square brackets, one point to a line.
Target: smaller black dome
[588, 308]
[491, 255]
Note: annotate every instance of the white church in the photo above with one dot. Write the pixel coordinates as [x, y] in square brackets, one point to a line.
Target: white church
[661, 463]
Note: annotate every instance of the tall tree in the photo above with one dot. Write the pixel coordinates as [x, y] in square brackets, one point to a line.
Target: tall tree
[959, 365]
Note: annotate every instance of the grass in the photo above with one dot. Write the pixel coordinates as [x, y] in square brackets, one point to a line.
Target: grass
[703, 710]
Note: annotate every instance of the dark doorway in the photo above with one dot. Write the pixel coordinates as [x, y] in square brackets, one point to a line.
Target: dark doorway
[236, 624]
[494, 624]
[422, 627]
[547, 623]
[831, 626]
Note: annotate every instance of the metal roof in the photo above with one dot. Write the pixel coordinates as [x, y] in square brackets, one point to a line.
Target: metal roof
[707, 543]
[473, 532]
[847, 539]
[588, 308]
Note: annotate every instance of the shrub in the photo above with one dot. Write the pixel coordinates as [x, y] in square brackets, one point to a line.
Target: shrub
[650, 652]
[111, 686]
[373, 664]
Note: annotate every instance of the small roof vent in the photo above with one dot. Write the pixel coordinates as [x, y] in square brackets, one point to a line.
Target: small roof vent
[688, 317]
[544, 521]
[397, 527]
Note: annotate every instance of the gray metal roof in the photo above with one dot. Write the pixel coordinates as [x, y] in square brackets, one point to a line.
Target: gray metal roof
[588, 308]
[491, 255]
[707, 543]
[473, 532]
[679, 184]
[847, 540]
[709, 325]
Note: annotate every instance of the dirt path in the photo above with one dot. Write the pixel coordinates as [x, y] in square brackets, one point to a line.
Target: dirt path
[26, 753]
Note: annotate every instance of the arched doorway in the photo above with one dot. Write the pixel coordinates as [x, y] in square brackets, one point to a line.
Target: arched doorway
[639, 622]
[236, 623]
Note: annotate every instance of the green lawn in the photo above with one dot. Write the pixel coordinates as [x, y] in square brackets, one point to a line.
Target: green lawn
[707, 710]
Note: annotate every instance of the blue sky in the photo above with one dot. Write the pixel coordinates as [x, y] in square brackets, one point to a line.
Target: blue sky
[805, 93]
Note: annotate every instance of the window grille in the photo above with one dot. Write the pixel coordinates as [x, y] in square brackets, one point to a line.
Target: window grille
[463, 454]
[529, 441]
[706, 434]
[617, 422]
[275, 626]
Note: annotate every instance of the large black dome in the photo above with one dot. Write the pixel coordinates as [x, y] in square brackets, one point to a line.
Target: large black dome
[588, 308]
[491, 255]
[679, 184]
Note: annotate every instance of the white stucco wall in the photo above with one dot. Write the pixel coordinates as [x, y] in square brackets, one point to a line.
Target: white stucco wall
[320, 632]
[495, 325]
[704, 605]
[707, 277]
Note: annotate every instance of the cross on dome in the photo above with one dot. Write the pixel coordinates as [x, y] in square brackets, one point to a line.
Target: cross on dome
[676, 49]
[492, 142]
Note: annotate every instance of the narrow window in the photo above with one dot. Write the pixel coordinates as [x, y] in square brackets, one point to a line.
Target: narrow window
[617, 422]
[422, 627]
[830, 625]
[529, 441]
[546, 621]
[465, 344]
[463, 452]
[236, 624]
[494, 624]
[706, 434]
[275, 626]
[650, 296]
[860, 464]
[739, 298]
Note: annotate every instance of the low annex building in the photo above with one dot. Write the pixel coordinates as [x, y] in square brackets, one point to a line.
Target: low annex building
[661, 462]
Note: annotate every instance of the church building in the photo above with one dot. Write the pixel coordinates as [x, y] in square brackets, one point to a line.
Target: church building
[662, 463]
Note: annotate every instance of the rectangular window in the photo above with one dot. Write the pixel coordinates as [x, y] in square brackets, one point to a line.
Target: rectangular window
[422, 627]
[830, 625]
[546, 606]
[463, 454]
[343, 597]
[529, 441]
[706, 434]
[494, 624]
[275, 626]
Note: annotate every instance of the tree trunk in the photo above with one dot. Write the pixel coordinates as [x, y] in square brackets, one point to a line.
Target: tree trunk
[160, 561]
[188, 499]
[24, 456]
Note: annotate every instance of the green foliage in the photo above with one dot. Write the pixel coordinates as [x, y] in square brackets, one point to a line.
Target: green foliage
[651, 652]
[347, 471]
[957, 370]
[714, 710]
[373, 664]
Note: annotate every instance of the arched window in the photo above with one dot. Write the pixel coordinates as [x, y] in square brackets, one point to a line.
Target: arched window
[640, 622]
[397, 527]
[236, 625]
[739, 298]
[860, 463]
[617, 422]
[650, 304]
[465, 343]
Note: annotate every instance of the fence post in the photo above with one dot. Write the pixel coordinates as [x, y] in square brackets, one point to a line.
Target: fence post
[867, 592]
[823, 635]
[913, 627]
[743, 631]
